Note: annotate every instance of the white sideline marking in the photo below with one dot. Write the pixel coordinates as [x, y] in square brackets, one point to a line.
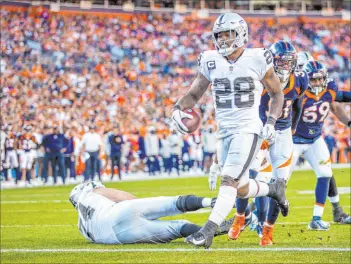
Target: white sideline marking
[37, 211]
[32, 195]
[203, 211]
[34, 201]
[73, 225]
[28, 226]
[166, 250]
[341, 190]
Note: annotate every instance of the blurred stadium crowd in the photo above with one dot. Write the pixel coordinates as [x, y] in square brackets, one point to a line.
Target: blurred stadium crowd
[81, 74]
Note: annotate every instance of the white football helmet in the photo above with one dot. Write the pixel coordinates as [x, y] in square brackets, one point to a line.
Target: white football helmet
[238, 32]
[302, 58]
[83, 188]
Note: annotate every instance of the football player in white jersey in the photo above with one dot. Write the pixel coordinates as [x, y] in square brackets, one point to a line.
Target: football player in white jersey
[236, 75]
[110, 216]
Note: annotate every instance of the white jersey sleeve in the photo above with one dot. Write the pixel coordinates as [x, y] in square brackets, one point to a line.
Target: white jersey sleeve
[263, 61]
[206, 62]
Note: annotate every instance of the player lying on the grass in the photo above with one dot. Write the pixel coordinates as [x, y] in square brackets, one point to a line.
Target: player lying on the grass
[110, 216]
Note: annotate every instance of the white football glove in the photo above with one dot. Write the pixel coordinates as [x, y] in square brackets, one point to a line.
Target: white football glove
[268, 133]
[177, 117]
[215, 170]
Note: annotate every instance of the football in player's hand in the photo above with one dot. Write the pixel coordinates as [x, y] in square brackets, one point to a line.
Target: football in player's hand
[192, 124]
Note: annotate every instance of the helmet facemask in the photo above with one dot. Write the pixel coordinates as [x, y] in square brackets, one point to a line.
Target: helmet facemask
[284, 66]
[317, 83]
[227, 41]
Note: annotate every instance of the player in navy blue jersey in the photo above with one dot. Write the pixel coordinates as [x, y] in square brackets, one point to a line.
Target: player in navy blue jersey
[294, 84]
[318, 101]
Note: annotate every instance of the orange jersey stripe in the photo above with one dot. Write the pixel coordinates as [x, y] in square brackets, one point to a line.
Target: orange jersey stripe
[291, 84]
[269, 168]
[286, 163]
[313, 96]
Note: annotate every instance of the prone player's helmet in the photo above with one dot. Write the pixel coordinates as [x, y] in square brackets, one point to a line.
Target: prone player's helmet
[302, 58]
[284, 59]
[236, 26]
[81, 189]
[318, 75]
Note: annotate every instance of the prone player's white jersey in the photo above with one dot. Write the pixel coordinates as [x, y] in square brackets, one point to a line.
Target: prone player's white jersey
[96, 215]
[236, 88]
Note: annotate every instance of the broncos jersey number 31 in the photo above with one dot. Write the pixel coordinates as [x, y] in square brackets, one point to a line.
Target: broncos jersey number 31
[315, 113]
[243, 97]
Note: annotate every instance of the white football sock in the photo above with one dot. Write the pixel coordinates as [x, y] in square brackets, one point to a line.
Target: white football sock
[257, 189]
[334, 199]
[224, 204]
[318, 210]
[206, 202]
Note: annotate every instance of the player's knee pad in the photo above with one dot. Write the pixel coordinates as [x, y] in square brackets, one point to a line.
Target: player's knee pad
[189, 203]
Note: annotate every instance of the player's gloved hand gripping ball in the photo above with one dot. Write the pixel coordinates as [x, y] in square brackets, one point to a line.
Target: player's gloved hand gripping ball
[186, 121]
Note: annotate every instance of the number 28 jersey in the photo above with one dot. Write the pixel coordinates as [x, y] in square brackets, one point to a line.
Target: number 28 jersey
[236, 88]
[314, 110]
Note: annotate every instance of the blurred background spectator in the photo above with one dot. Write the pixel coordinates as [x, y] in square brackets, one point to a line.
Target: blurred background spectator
[88, 70]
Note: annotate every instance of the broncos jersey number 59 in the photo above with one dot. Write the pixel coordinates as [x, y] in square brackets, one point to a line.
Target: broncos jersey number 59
[311, 114]
[243, 97]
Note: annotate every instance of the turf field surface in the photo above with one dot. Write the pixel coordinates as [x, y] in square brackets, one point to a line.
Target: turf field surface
[39, 225]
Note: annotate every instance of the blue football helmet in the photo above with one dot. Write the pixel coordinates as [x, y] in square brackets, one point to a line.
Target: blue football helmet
[284, 59]
[318, 75]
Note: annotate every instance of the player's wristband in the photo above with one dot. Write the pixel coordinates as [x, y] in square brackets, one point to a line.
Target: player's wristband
[176, 107]
[349, 124]
[271, 121]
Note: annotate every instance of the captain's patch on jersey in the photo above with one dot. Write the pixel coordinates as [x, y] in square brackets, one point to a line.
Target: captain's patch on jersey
[211, 65]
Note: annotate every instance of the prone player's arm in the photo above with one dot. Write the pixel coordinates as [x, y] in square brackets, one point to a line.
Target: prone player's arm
[114, 195]
[196, 91]
[272, 84]
[339, 111]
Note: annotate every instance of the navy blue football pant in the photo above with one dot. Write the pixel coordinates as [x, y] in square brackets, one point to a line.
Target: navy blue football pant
[167, 164]
[92, 166]
[153, 164]
[116, 161]
[70, 163]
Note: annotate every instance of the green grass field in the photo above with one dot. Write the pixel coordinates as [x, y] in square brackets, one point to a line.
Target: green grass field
[40, 226]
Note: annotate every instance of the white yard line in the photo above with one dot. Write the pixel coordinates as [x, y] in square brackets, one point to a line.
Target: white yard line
[78, 250]
[73, 225]
[34, 201]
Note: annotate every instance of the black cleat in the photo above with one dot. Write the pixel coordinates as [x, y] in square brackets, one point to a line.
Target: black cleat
[204, 237]
[277, 192]
[339, 216]
[224, 227]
